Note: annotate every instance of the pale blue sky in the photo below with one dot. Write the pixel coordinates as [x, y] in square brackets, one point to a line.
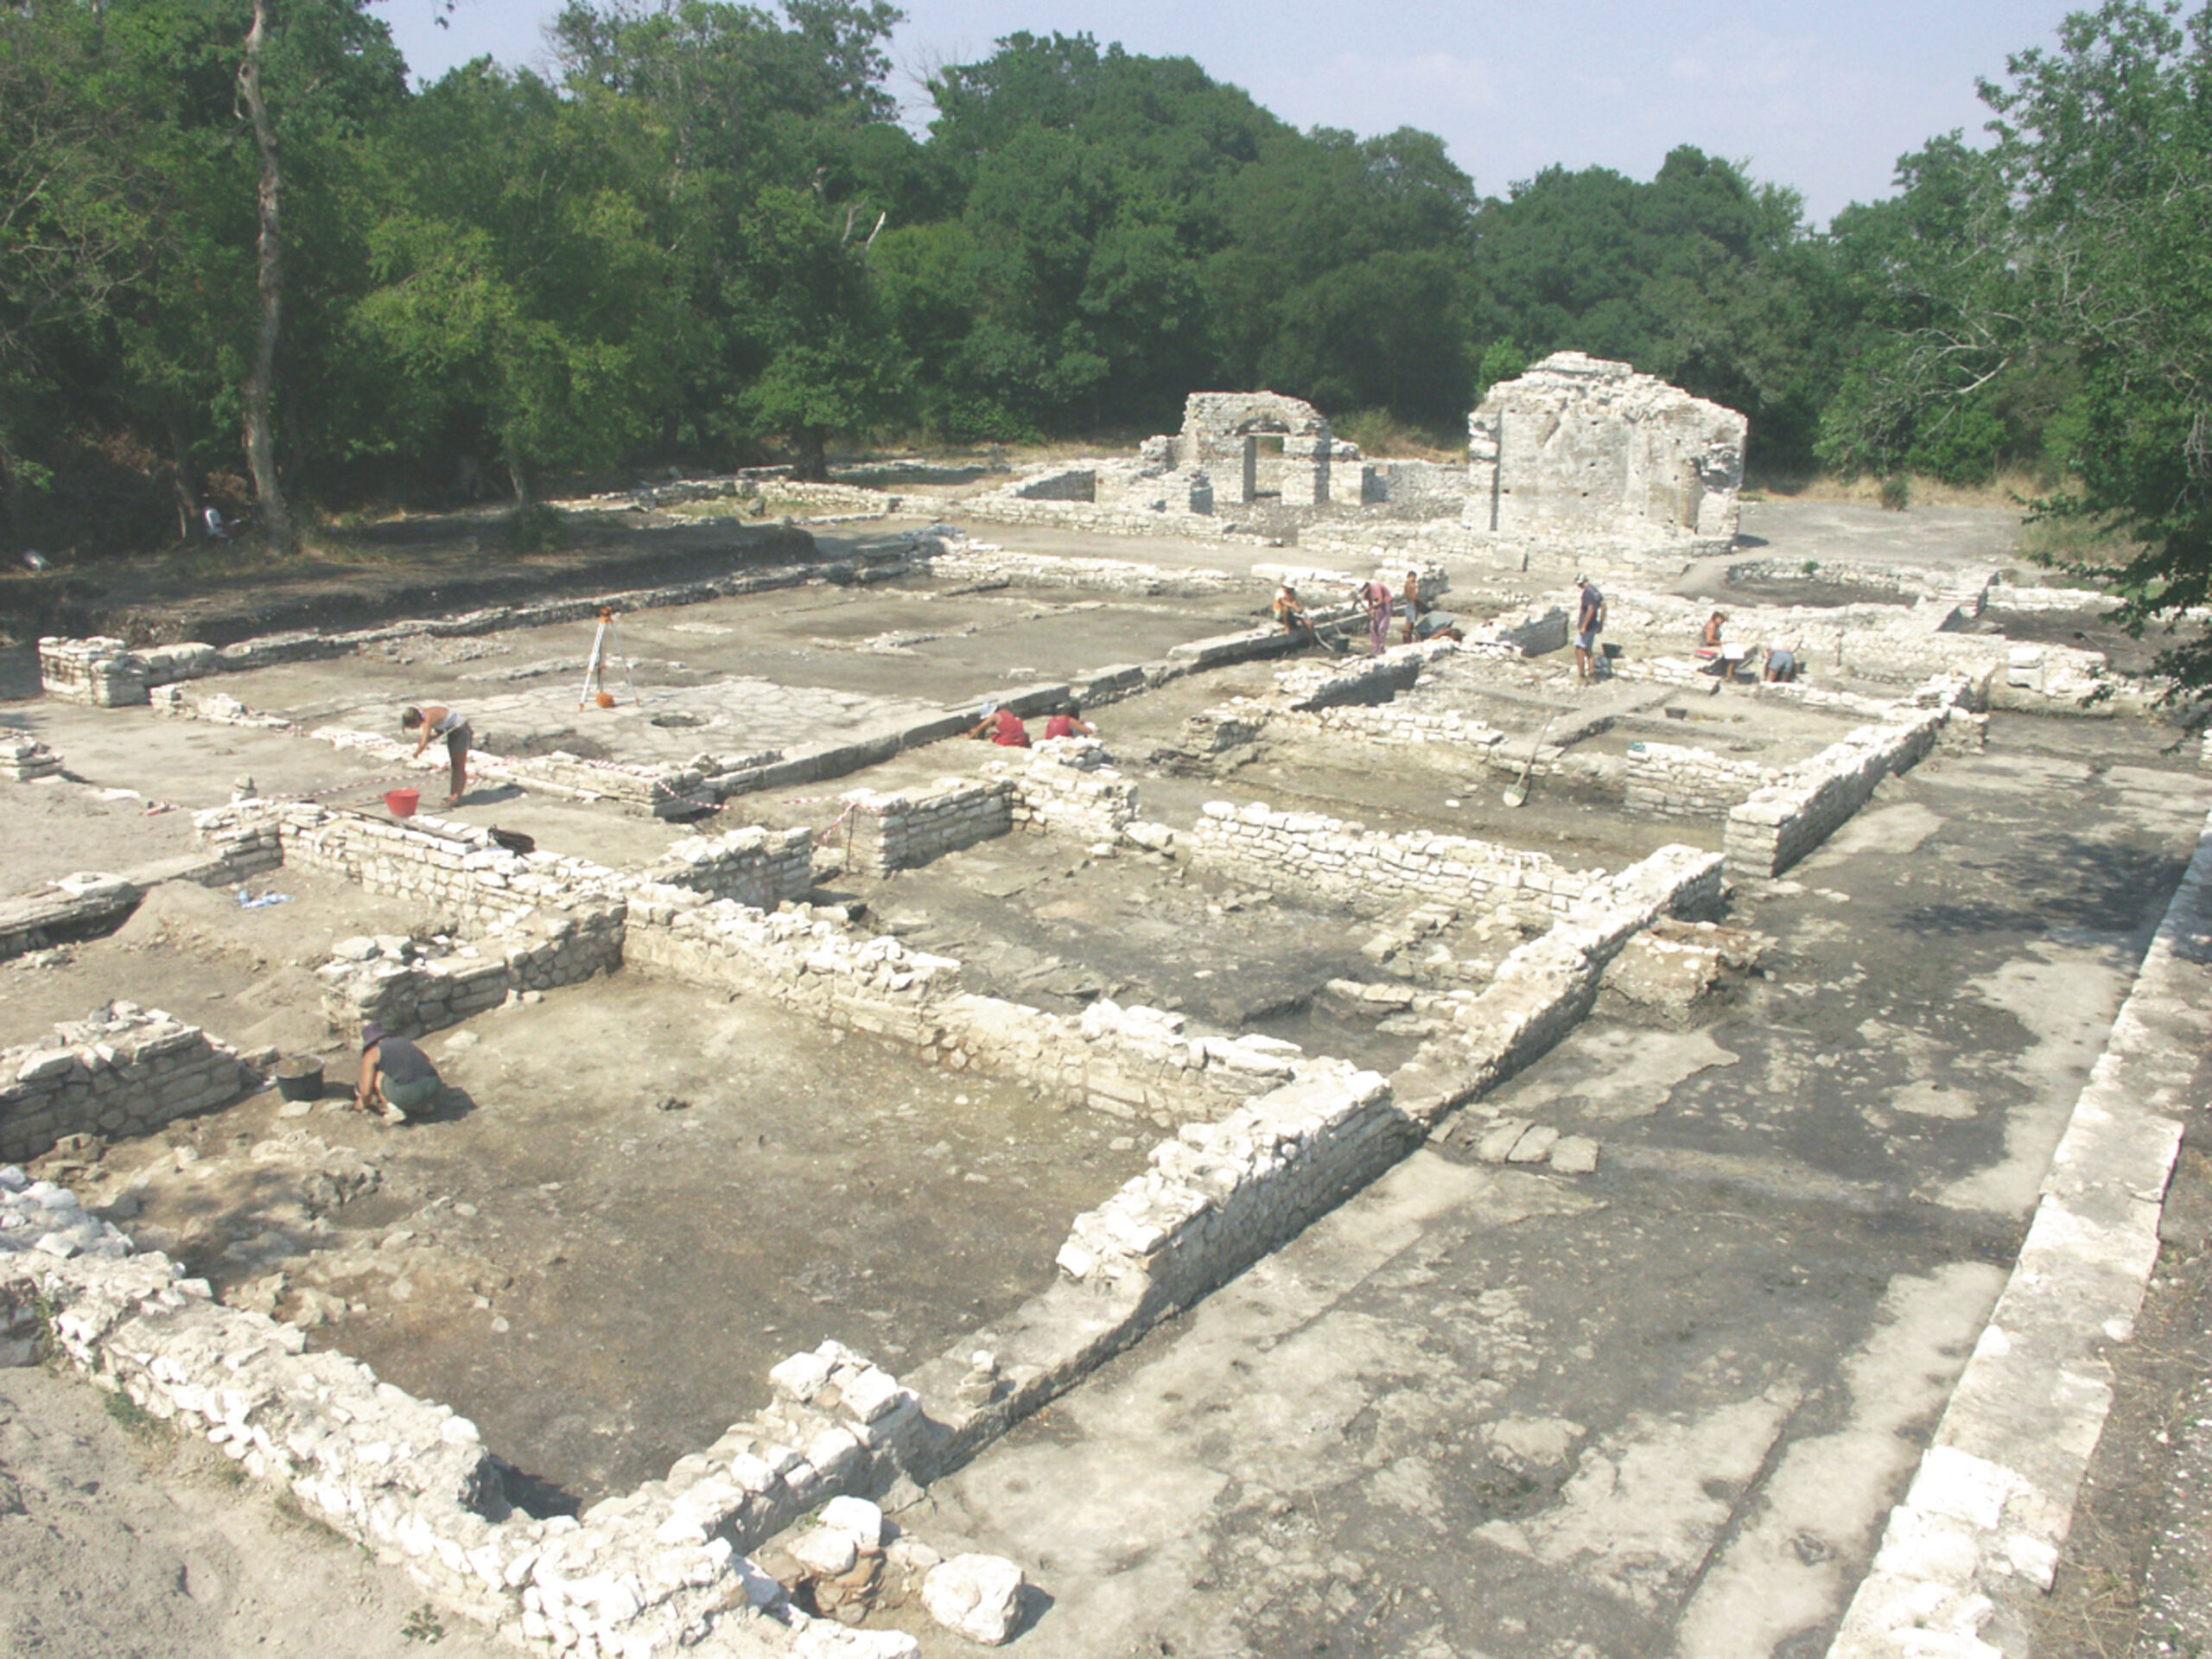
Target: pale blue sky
[1818, 95]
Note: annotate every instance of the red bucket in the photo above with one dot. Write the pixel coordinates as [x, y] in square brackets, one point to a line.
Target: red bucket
[402, 802]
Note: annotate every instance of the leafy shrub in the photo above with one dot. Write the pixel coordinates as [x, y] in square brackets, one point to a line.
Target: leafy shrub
[536, 529]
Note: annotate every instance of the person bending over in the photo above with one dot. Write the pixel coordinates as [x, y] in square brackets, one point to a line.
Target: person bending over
[396, 1078]
[437, 721]
[1002, 725]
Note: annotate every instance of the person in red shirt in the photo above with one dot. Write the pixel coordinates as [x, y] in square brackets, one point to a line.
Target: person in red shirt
[1070, 724]
[1001, 726]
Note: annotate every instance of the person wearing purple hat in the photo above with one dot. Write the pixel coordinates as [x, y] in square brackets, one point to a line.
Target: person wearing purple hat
[396, 1078]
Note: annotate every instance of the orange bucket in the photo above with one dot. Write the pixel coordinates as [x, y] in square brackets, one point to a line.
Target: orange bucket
[402, 802]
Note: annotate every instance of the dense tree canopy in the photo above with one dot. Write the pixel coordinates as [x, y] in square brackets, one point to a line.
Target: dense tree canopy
[704, 237]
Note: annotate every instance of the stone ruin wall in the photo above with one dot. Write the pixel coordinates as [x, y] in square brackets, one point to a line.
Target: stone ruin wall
[751, 865]
[1584, 445]
[1676, 780]
[1778, 825]
[1064, 786]
[663, 1564]
[542, 921]
[1368, 872]
[882, 830]
[125, 1071]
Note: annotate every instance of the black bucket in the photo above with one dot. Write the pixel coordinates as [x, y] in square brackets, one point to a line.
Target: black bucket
[299, 1080]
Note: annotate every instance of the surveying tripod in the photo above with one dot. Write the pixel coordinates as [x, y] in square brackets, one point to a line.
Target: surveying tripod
[609, 637]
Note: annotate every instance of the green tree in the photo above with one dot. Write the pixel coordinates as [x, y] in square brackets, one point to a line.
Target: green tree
[817, 358]
[521, 303]
[1701, 276]
[2075, 253]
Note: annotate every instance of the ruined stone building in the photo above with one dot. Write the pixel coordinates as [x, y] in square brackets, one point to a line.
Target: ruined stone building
[1582, 444]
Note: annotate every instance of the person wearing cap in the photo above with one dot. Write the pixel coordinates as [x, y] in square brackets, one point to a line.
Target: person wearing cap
[1589, 622]
[1002, 727]
[396, 1078]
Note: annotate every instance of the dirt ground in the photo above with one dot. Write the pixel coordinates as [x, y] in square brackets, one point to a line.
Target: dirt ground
[634, 1202]
[119, 1540]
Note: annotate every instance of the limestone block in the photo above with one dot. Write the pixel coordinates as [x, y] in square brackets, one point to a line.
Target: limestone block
[978, 1597]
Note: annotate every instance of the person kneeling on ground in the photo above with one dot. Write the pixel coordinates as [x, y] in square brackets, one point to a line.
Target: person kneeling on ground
[396, 1078]
[1780, 664]
[437, 721]
[1290, 613]
[1070, 724]
[1001, 726]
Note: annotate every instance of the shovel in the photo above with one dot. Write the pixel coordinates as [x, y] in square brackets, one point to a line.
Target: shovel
[1517, 793]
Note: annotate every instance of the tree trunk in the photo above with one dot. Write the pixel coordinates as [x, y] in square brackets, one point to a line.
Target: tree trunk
[519, 470]
[812, 463]
[260, 440]
[187, 497]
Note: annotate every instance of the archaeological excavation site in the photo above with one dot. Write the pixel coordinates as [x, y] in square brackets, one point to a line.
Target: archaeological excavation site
[1424, 1151]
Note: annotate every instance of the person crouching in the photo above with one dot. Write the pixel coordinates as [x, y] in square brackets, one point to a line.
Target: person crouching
[398, 1079]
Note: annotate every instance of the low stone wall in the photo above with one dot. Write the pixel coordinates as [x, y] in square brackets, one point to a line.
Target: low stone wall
[886, 830]
[1883, 643]
[752, 866]
[1779, 823]
[1543, 989]
[1132, 1062]
[1397, 726]
[1223, 1194]
[2004, 596]
[1065, 787]
[1966, 1561]
[28, 760]
[98, 671]
[1672, 780]
[413, 991]
[948, 556]
[1356, 682]
[84, 906]
[1960, 587]
[246, 836]
[1219, 1196]
[450, 867]
[124, 1073]
[1370, 872]
[653, 1571]
[1112, 520]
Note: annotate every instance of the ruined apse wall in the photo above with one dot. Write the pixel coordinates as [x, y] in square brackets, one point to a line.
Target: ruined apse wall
[1584, 445]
